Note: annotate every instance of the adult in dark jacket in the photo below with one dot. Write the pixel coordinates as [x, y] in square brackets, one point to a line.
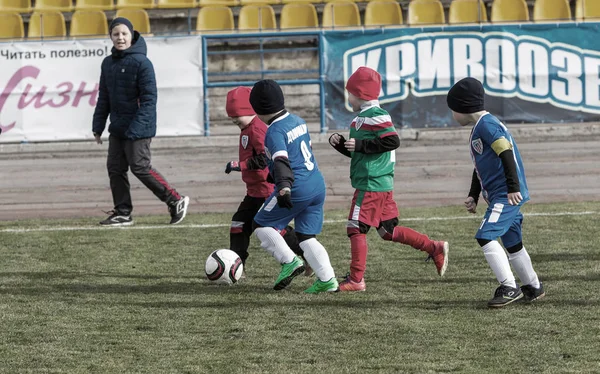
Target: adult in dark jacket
[128, 94]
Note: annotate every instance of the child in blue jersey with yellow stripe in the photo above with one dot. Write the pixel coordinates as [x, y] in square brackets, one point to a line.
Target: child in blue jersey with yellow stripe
[500, 177]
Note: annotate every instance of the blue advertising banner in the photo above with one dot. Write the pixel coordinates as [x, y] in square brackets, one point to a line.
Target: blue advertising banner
[532, 73]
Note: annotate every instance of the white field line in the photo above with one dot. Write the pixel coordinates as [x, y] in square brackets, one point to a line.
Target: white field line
[202, 226]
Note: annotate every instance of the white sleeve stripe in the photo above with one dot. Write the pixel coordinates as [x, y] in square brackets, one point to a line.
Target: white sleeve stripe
[280, 154]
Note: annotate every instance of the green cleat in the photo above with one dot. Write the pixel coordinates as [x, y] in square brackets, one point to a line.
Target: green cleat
[320, 286]
[288, 272]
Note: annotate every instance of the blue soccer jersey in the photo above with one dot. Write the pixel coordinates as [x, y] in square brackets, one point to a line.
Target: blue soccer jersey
[489, 138]
[288, 137]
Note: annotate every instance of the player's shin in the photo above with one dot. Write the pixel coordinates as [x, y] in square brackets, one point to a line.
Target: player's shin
[498, 261]
[318, 259]
[521, 262]
[359, 249]
[273, 242]
[413, 238]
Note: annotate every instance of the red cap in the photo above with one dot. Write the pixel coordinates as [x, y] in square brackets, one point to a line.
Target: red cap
[238, 102]
[365, 83]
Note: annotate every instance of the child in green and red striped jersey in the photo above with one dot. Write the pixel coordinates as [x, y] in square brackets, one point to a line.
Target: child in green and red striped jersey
[371, 146]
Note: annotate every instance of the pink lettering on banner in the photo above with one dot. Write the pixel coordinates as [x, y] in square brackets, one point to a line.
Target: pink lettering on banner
[27, 97]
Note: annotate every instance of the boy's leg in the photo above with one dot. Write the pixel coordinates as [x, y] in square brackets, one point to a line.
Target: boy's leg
[117, 166]
[496, 222]
[521, 262]
[291, 238]
[309, 223]
[268, 223]
[388, 229]
[241, 226]
[139, 158]
[364, 212]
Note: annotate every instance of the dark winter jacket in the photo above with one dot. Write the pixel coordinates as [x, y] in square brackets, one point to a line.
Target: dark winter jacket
[128, 93]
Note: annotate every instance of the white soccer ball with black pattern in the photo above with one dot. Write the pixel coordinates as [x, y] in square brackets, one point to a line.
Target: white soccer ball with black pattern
[224, 266]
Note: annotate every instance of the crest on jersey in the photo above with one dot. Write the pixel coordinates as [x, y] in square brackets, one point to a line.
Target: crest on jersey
[477, 145]
[268, 153]
[359, 122]
[244, 141]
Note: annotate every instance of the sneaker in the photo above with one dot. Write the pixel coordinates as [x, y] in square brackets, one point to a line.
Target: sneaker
[440, 256]
[320, 286]
[117, 219]
[505, 295]
[178, 209]
[531, 293]
[288, 272]
[348, 285]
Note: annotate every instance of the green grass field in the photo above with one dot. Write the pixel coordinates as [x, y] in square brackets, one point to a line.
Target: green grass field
[136, 301]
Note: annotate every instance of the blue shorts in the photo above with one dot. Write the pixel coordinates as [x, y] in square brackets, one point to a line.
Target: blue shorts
[502, 220]
[307, 214]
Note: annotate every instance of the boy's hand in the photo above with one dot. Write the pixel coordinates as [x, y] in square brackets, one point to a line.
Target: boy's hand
[284, 198]
[232, 166]
[471, 205]
[514, 198]
[335, 139]
[98, 138]
[350, 144]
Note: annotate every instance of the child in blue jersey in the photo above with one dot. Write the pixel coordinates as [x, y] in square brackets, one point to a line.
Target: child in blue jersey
[299, 192]
[500, 177]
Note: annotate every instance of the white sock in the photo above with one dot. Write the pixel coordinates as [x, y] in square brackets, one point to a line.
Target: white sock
[521, 262]
[496, 258]
[272, 241]
[318, 259]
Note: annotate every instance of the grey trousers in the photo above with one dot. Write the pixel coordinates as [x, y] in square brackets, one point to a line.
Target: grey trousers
[135, 154]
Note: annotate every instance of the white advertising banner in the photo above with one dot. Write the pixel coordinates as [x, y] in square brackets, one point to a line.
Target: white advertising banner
[48, 90]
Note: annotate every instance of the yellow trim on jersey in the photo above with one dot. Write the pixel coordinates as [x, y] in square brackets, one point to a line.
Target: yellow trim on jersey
[501, 145]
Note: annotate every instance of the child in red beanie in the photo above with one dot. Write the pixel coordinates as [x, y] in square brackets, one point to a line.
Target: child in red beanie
[253, 166]
[371, 146]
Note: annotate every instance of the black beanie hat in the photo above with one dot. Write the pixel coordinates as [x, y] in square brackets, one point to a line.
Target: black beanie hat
[266, 97]
[466, 96]
[121, 21]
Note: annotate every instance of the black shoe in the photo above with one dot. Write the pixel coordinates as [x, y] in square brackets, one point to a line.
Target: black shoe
[178, 209]
[531, 293]
[117, 219]
[505, 295]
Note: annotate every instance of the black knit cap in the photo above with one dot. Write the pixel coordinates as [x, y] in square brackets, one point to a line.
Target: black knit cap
[266, 97]
[121, 21]
[466, 96]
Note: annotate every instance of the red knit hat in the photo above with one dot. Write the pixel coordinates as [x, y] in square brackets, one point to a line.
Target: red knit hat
[365, 83]
[238, 102]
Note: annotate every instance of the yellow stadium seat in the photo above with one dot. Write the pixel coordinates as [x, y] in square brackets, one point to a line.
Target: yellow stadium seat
[215, 18]
[340, 14]
[48, 24]
[260, 2]
[176, 4]
[256, 17]
[94, 5]
[298, 15]
[423, 12]
[204, 3]
[11, 26]
[138, 17]
[467, 11]
[551, 10]
[509, 11]
[383, 12]
[136, 4]
[587, 9]
[86, 23]
[58, 5]
[301, 1]
[20, 6]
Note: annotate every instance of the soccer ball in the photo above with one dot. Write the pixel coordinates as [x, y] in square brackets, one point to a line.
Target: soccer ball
[224, 266]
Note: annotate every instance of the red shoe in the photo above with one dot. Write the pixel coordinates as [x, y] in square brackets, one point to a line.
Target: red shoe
[348, 285]
[440, 256]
